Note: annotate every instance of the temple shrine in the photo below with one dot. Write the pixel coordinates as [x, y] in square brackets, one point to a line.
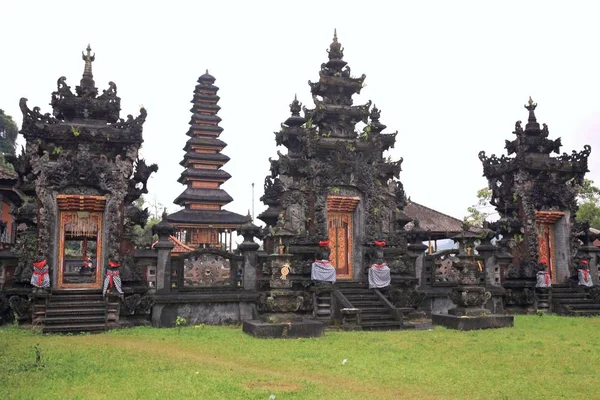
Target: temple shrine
[341, 243]
[202, 221]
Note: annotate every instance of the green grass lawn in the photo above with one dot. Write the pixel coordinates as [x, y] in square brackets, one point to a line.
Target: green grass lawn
[542, 357]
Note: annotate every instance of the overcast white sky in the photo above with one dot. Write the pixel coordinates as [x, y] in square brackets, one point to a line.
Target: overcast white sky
[451, 76]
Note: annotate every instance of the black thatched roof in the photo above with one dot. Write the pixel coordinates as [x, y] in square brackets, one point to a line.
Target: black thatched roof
[204, 141]
[204, 157]
[206, 217]
[437, 225]
[204, 174]
[204, 195]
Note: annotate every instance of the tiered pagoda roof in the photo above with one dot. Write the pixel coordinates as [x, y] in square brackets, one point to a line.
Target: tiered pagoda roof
[203, 197]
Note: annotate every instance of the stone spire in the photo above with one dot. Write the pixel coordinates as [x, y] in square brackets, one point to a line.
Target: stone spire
[532, 124]
[87, 80]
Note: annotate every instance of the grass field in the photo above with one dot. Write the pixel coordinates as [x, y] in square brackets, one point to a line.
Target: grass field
[545, 357]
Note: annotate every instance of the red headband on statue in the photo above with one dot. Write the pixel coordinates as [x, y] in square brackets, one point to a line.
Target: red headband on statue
[113, 264]
[40, 264]
[585, 262]
[86, 259]
[544, 261]
[324, 243]
[380, 243]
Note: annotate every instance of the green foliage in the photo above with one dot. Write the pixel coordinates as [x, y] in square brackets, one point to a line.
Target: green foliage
[477, 213]
[365, 134]
[220, 362]
[588, 196]
[309, 124]
[350, 147]
[57, 150]
[75, 130]
[8, 134]
[180, 322]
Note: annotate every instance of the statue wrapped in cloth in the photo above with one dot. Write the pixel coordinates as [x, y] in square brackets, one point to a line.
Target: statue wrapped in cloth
[40, 277]
[379, 273]
[322, 270]
[583, 274]
[543, 276]
[112, 281]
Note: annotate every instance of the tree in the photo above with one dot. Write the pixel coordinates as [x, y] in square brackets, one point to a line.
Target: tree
[588, 196]
[479, 212]
[8, 134]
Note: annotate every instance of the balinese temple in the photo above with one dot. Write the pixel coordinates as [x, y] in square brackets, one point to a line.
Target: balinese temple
[203, 222]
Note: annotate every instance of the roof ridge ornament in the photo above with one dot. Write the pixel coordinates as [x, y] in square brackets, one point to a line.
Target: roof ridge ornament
[532, 123]
[88, 58]
[336, 51]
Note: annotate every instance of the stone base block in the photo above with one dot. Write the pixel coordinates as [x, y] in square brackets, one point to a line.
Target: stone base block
[291, 329]
[467, 323]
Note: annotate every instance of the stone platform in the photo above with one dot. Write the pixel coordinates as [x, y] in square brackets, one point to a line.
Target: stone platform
[292, 329]
[468, 323]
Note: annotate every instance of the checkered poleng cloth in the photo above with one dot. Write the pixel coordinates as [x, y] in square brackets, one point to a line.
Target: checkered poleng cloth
[585, 278]
[543, 280]
[111, 280]
[379, 276]
[323, 271]
[40, 277]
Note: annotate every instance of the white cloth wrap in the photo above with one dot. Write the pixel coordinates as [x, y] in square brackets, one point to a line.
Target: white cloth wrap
[581, 274]
[35, 276]
[379, 276]
[541, 280]
[322, 271]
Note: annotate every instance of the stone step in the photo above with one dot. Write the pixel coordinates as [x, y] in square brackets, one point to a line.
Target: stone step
[382, 312]
[72, 328]
[76, 297]
[569, 295]
[377, 317]
[83, 319]
[323, 305]
[356, 291]
[78, 311]
[555, 289]
[79, 304]
[586, 306]
[366, 303]
[585, 313]
[373, 309]
[370, 296]
[381, 325]
[574, 301]
[323, 312]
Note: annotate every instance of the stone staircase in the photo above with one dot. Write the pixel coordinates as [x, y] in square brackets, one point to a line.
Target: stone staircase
[323, 306]
[76, 311]
[375, 314]
[573, 301]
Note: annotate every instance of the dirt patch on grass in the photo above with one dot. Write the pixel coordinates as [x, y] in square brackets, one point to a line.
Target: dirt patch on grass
[275, 386]
[276, 375]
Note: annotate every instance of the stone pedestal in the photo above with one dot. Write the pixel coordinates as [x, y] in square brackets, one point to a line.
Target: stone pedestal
[470, 313]
[283, 330]
[351, 319]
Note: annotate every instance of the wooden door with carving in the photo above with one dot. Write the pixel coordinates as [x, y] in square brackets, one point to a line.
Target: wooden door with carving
[340, 242]
[546, 247]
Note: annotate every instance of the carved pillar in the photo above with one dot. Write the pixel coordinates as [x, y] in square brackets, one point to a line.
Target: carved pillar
[416, 252]
[163, 262]
[248, 248]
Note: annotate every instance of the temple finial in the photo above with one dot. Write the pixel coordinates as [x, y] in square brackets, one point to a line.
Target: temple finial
[336, 52]
[532, 123]
[88, 58]
[207, 71]
[296, 106]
